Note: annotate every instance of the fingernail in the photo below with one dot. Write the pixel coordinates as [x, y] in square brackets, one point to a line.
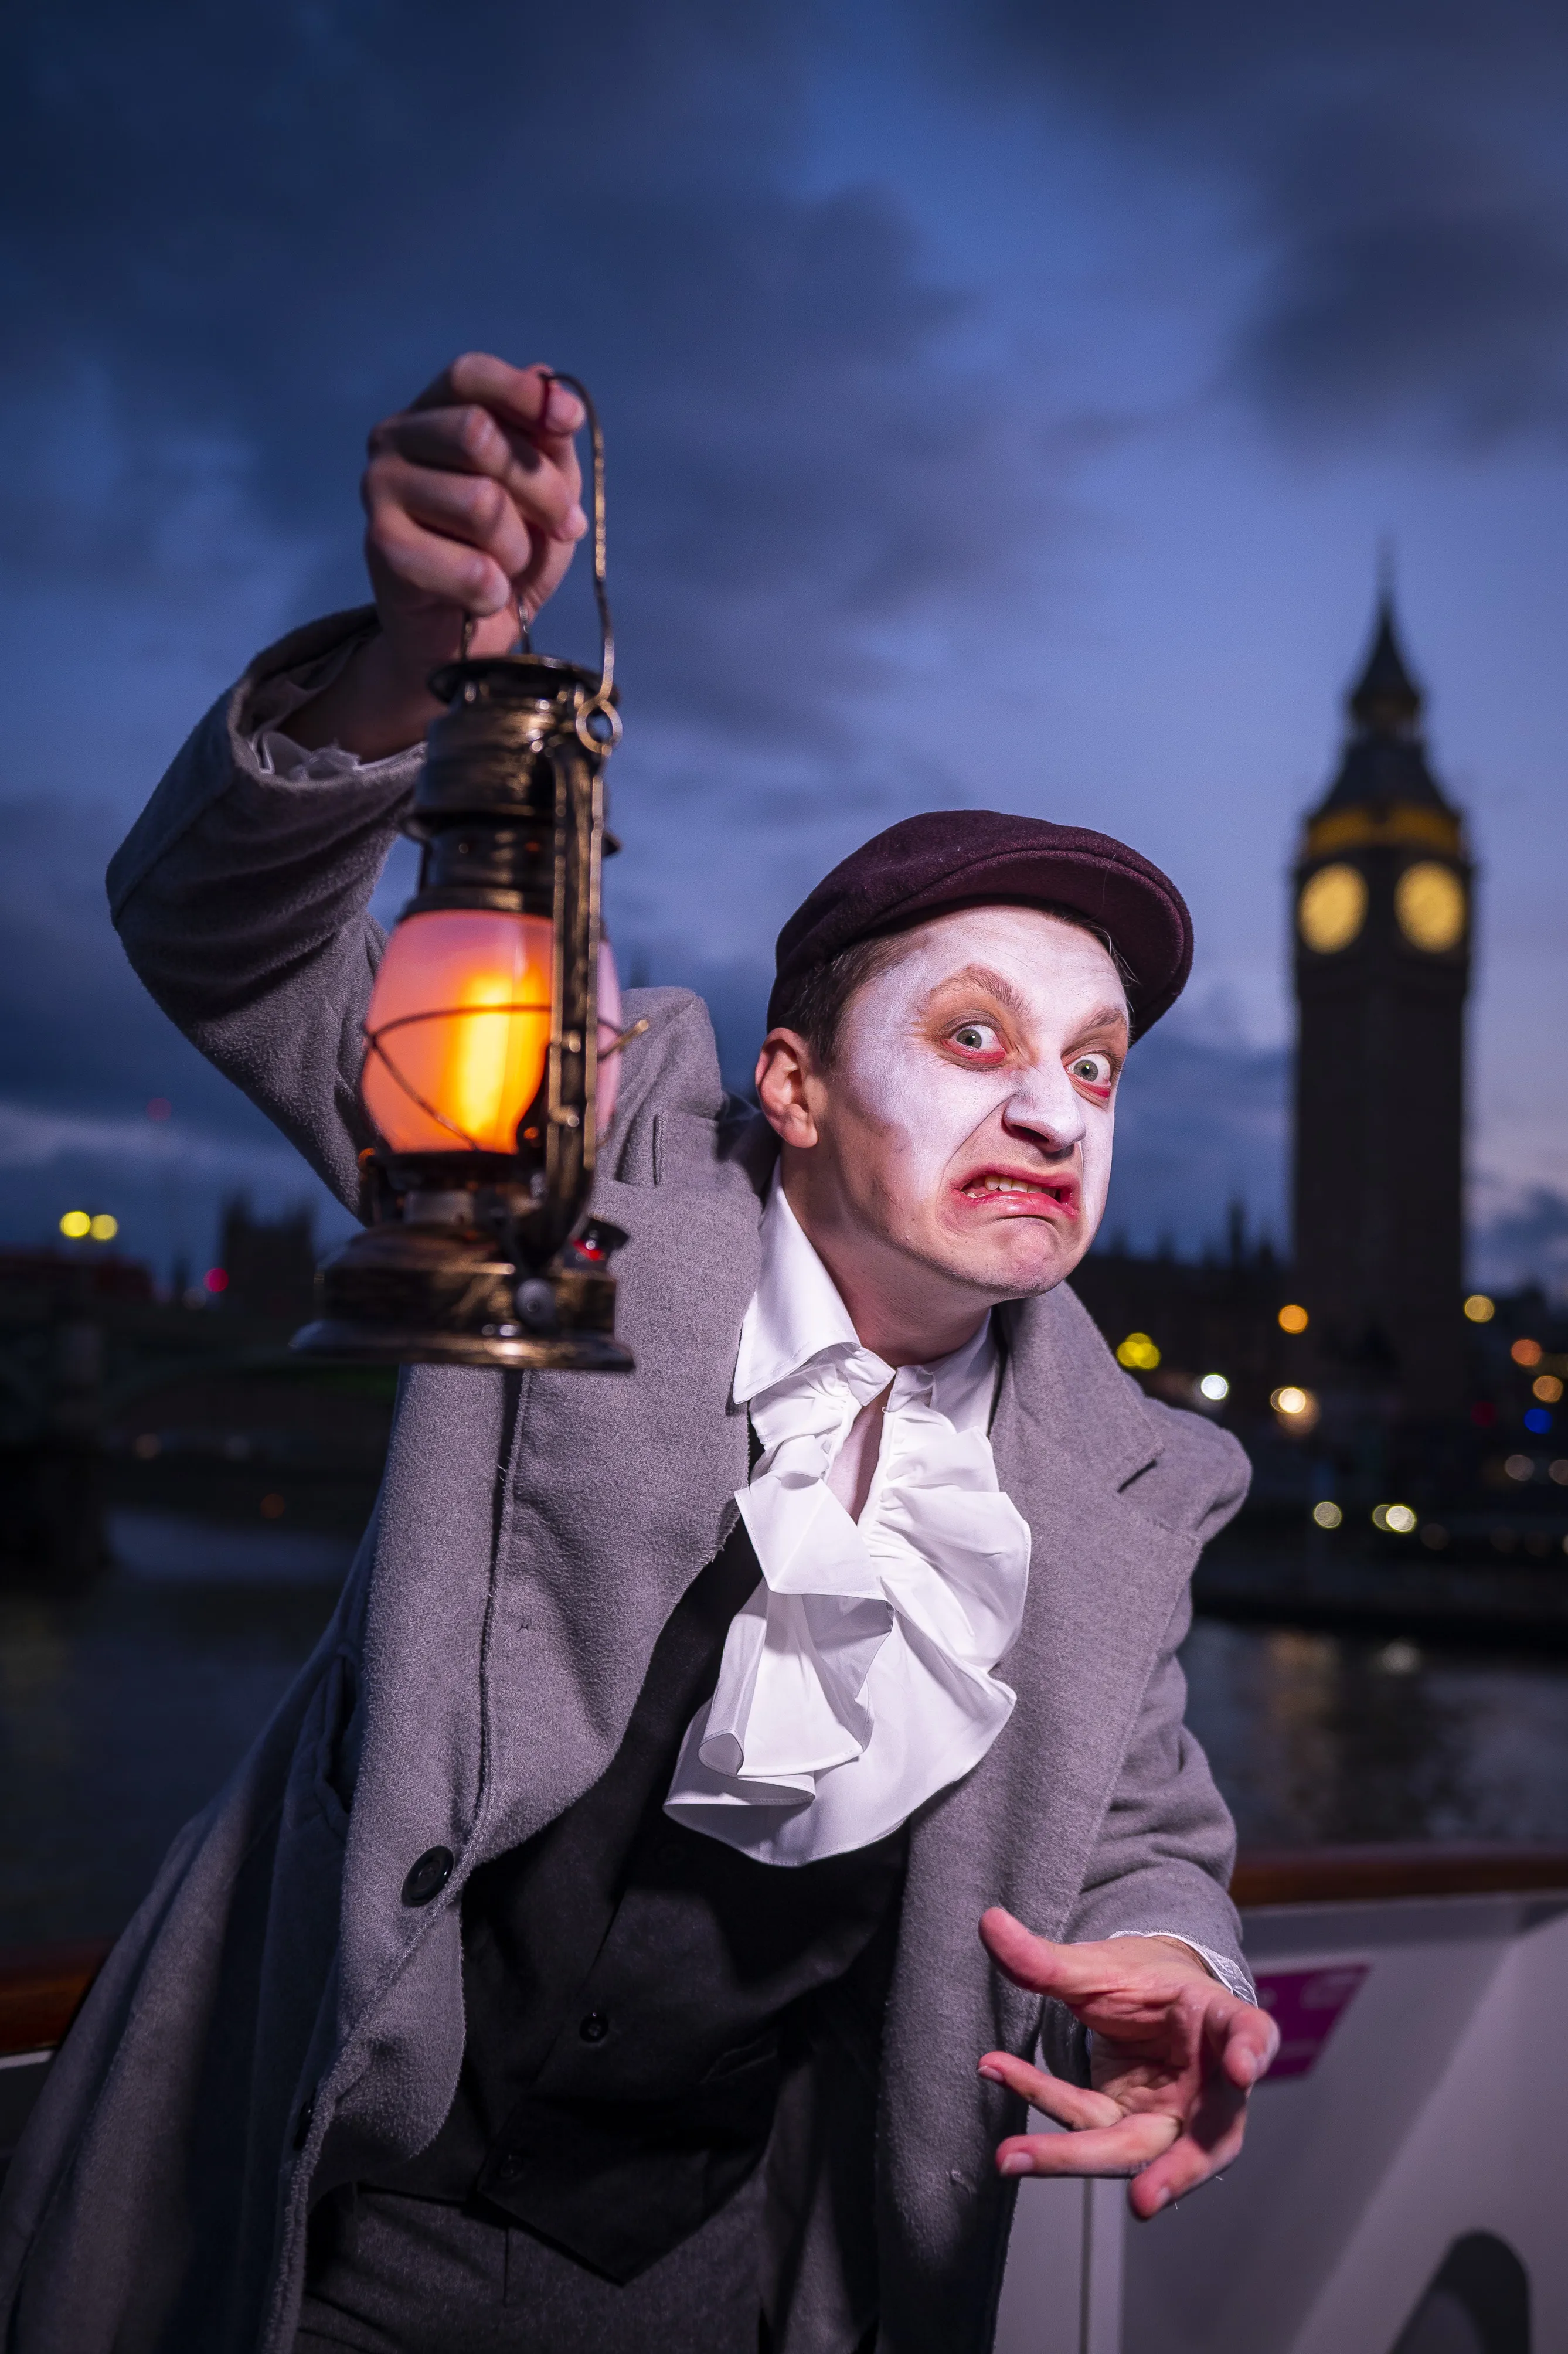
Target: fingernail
[1016, 2164]
[991, 2075]
[577, 522]
[1161, 2199]
[561, 409]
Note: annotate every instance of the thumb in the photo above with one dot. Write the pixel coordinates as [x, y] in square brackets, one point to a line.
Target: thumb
[1034, 1963]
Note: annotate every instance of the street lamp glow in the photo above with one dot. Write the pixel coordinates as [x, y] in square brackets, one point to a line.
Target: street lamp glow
[1214, 1386]
[103, 1228]
[76, 1224]
[1479, 1308]
[1397, 1518]
[1293, 1318]
[1138, 1354]
[1326, 1514]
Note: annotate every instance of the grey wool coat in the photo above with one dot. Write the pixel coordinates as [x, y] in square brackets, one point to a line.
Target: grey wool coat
[275, 2020]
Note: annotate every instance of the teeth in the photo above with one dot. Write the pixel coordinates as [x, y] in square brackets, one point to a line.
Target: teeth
[1005, 1185]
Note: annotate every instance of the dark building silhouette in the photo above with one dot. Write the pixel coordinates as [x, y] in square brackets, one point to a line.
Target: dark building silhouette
[271, 1263]
[1383, 965]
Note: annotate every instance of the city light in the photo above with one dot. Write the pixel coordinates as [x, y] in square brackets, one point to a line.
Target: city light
[216, 1279]
[1290, 1399]
[1526, 1352]
[1326, 1514]
[1519, 1466]
[1138, 1354]
[1479, 1308]
[1214, 1387]
[1547, 1388]
[1398, 1520]
[1559, 1471]
[1536, 1418]
[79, 1225]
[1293, 1318]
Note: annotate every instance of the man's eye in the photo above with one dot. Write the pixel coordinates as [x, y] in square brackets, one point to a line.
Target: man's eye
[976, 1038]
[1093, 1070]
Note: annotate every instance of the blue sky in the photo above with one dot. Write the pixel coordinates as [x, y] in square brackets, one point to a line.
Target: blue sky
[1006, 405]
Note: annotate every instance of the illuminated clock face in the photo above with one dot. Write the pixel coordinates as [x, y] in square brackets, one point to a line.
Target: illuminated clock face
[1333, 907]
[1429, 901]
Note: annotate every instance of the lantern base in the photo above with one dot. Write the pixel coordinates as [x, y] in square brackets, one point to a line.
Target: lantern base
[399, 1295]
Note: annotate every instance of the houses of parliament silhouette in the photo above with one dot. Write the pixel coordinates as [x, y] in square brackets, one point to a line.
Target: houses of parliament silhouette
[1364, 1319]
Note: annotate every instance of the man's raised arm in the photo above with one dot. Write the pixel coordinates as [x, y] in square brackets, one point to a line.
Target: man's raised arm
[241, 892]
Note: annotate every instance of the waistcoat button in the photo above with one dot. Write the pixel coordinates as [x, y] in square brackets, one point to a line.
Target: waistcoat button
[428, 1876]
[594, 2028]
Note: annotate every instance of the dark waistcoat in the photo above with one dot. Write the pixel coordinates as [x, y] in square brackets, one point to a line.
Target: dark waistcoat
[632, 1988]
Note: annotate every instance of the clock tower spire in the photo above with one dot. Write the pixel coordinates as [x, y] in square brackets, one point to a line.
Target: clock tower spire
[1383, 962]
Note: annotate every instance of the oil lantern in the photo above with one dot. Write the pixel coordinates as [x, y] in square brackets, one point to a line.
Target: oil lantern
[492, 1034]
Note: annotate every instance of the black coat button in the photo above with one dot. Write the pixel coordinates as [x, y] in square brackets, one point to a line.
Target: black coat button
[428, 1876]
[594, 2028]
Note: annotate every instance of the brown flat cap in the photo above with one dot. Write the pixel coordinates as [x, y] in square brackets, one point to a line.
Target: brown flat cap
[959, 858]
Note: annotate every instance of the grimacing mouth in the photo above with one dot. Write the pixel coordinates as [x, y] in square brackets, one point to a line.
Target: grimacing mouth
[998, 1184]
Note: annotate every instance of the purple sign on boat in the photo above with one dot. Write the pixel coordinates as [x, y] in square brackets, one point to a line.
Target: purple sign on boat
[1306, 2005]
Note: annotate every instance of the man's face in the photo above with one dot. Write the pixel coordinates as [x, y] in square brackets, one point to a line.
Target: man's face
[969, 1111]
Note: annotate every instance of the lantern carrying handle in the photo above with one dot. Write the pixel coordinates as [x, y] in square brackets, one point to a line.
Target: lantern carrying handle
[601, 704]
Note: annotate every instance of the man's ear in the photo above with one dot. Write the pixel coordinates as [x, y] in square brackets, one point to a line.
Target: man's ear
[786, 1071]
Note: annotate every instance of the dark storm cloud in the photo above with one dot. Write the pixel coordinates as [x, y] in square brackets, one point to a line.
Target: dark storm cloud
[240, 235]
[1401, 177]
[77, 1029]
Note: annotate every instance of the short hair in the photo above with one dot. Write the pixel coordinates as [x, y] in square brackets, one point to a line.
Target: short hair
[815, 1002]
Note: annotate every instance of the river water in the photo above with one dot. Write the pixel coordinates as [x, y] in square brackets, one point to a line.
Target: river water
[122, 1711]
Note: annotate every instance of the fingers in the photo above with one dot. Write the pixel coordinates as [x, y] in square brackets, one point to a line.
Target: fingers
[529, 399]
[1069, 2104]
[1126, 2147]
[401, 553]
[468, 440]
[1190, 2160]
[1239, 2044]
[473, 494]
[1247, 2041]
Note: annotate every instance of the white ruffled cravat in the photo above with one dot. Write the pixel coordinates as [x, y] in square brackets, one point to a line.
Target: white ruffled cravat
[857, 1682]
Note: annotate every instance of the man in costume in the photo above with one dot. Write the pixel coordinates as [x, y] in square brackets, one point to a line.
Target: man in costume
[725, 1796]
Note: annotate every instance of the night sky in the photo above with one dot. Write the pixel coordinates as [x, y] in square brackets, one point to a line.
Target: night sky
[1006, 407]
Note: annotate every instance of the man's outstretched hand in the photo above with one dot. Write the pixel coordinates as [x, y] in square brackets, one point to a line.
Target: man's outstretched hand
[472, 496]
[1173, 2061]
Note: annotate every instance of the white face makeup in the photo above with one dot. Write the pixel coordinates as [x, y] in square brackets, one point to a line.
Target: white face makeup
[969, 1112]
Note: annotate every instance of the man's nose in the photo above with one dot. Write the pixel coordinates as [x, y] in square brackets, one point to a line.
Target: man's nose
[1048, 1106]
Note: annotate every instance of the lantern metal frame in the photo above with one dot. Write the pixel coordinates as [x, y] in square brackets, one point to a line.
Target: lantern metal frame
[472, 1257]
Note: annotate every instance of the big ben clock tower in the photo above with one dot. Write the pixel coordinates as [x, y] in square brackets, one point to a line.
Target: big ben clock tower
[1383, 965]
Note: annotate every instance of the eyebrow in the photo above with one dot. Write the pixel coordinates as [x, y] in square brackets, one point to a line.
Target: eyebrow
[997, 985]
